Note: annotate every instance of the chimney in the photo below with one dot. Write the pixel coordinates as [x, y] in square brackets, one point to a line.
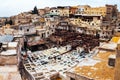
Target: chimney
[117, 64]
[111, 60]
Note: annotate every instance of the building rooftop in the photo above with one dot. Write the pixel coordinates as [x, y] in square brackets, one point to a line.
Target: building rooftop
[95, 15]
[8, 61]
[115, 39]
[9, 73]
[62, 63]
[95, 68]
[10, 49]
[112, 45]
[6, 38]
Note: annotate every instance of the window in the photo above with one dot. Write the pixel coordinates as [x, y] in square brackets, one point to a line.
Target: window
[47, 32]
[109, 8]
[20, 28]
[27, 30]
[42, 35]
[108, 13]
[82, 9]
[72, 79]
[52, 30]
[51, 11]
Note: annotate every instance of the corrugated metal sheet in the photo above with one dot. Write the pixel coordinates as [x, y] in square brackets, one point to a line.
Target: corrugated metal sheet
[6, 38]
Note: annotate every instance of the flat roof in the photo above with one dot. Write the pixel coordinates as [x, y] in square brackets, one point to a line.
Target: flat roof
[112, 56]
[12, 44]
[6, 38]
[9, 52]
[95, 68]
[88, 15]
[9, 73]
[108, 46]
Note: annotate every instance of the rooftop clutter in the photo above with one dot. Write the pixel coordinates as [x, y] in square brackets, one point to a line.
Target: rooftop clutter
[63, 37]
[50, 63]
[96, 68]
[9, 61]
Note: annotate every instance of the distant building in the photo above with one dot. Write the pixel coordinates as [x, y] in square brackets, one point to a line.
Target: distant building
[47, 10]
[73, 10]
[9, 58]
[54, 11]
[118, 23]
[27, 29]
[63, 11]
[117, 64]
[41, 12]
[108, 11]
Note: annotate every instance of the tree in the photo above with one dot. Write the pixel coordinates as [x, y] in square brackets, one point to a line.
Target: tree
[6, 21]
[9, 22]
[35, 11]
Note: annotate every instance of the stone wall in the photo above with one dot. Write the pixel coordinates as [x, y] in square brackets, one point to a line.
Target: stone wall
[77, 77]
[8, 60]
